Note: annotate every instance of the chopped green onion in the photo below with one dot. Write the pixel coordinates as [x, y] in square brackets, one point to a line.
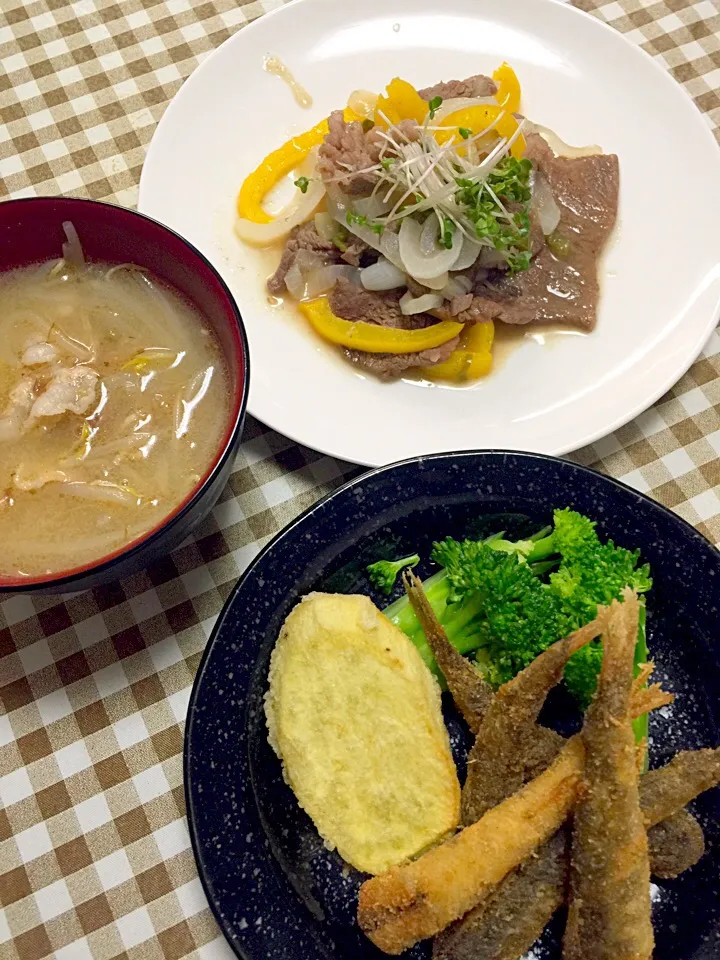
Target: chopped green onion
[387, 162]
[302, 183]
[464, 132]
[367, 124]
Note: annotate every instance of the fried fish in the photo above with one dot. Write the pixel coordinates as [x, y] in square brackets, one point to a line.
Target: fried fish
[675, 845]
[509, 733]
[609, 911]
[506, 925]
[414, 901]
[471, 693]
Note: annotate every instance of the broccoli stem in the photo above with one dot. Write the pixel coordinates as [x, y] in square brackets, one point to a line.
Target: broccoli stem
[542, 549]
[544, 566]
[463, 643]
[401, 613]
[541, 534]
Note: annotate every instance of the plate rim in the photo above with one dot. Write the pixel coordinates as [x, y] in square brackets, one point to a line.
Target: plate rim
[702, 541]
[332, 448]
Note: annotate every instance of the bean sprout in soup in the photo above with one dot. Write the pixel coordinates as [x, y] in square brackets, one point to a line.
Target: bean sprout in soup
[113, 401]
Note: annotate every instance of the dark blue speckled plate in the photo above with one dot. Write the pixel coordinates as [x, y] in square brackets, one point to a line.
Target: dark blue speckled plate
[277, 893]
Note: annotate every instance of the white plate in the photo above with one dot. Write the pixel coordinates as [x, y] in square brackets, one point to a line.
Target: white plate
[661, 273]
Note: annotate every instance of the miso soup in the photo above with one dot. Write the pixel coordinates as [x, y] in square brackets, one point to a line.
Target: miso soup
[113, 401]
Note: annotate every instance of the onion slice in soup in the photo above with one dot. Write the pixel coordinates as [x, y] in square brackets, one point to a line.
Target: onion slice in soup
[72, 250]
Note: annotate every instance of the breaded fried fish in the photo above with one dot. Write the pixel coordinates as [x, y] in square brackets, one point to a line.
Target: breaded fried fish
[671, 787]
[510, 921]
[508, 735]
[471, 692]
[506, 925]
[609, 912]
[675, 845]
[416, 900]
[472, 695]
[419, 899]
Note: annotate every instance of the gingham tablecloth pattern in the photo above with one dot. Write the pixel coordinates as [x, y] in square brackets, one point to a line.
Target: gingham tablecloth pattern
[95, 857]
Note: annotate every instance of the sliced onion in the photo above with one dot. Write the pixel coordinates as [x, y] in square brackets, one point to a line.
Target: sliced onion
[436, 283]
[101, 490]
[558, 146]
[295, 282]
[390, 247]
[382, 275]
[310, 275]
[456, 287]
[419, 265]
[468, 254]
[544, 203]
[428, 301]
[72, 250]
[298, 211]
[362, 102]
[305, 263]
[302, 208]
[325, 225]
[338, 208]
[460, 103]
[372, 207]
[324, 279]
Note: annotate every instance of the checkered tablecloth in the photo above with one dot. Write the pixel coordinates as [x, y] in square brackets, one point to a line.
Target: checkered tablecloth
[95, 857]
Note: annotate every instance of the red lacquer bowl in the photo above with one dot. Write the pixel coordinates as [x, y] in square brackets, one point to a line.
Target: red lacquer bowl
[31, 232]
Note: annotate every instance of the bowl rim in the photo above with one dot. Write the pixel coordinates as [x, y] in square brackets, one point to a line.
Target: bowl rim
[225, 448]
[192, 716]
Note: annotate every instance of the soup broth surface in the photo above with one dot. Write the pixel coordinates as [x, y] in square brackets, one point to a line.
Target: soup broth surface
[113, 400]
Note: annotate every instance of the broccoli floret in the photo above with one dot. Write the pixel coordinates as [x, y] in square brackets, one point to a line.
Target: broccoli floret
[590, 573]
[581, 673]
[519, 616]
[509, 601]
[462, 619]
[384, 573]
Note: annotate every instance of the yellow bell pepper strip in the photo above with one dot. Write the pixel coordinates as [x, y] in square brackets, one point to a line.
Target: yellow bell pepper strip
[407, 101]
[508, 92]
[358, 335]
[277, 165]
[385, 112]
[471, 360]
[480, 118]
